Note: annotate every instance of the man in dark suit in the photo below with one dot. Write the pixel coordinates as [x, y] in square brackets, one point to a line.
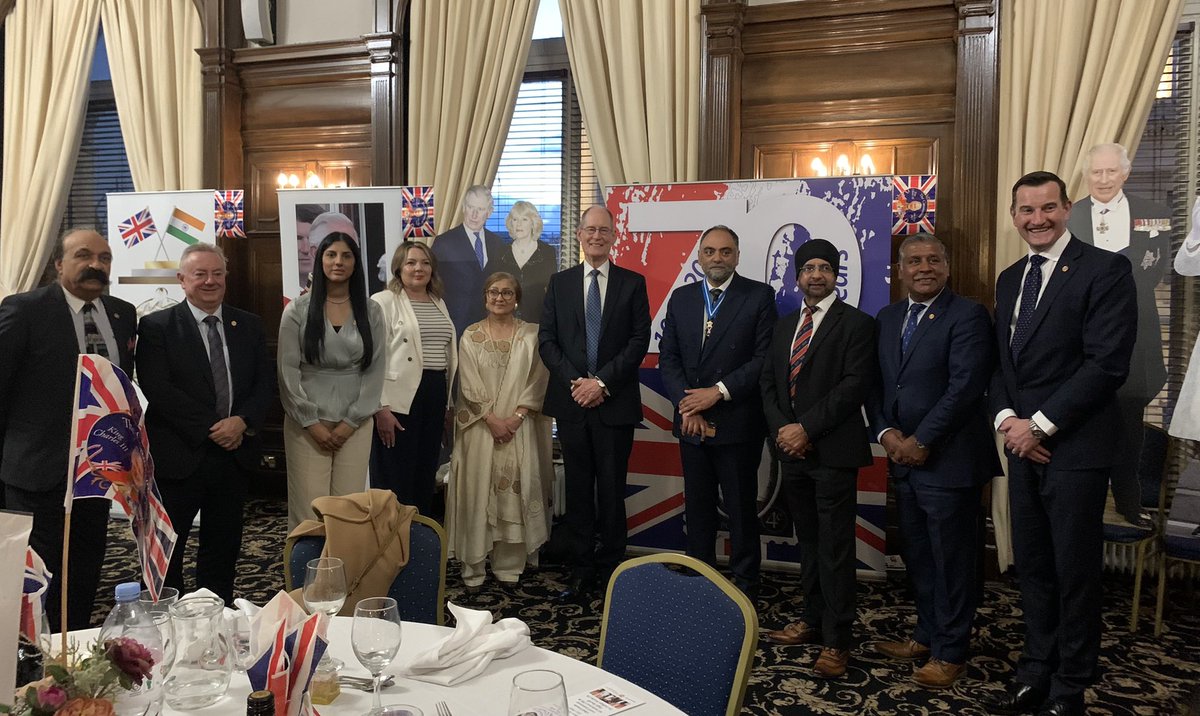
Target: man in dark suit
[1066, 321]
[714, 341]
[594, 333]
[818, 373]
[1140, 230]
[42, 332]
[465, 257]
[936, 355]
[204, 368]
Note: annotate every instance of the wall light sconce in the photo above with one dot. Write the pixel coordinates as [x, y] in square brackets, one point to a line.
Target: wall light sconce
[819, 168]
[865, 164]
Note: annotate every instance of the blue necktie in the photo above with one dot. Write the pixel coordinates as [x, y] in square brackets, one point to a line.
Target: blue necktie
[478, 248]
[1029, 300]
[592, 315]
[910, 327]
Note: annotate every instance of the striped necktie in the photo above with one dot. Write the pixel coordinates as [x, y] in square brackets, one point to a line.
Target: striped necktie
[800, 348]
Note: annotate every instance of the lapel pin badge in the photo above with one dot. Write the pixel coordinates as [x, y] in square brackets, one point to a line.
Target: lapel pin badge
[233, 323]
[932, 316]
[1064, 269]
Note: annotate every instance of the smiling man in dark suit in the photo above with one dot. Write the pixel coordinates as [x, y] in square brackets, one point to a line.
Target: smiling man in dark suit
[1066, 321]
[41, 334]
[715, 339]
[819, 371]
[594, 334]
[204, 368]
[466, 256]
[936, 355]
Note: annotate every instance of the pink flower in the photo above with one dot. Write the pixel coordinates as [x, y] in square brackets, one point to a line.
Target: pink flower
[51, 698]
[130, 657]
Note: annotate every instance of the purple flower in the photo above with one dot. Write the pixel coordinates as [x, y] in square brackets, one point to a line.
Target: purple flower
[130, 657]
[51, 698]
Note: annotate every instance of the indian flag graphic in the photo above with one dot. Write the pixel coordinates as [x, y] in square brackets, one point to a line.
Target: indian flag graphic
[185, 227]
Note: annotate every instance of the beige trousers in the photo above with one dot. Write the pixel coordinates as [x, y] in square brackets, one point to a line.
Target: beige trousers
[508, 561]
[313, 472]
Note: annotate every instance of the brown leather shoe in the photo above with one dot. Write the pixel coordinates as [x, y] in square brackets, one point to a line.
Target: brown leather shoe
[792, 634]
[911, 649]
[831, 663]
[938, 674]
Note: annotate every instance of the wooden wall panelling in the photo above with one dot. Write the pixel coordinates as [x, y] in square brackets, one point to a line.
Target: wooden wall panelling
[720, 88]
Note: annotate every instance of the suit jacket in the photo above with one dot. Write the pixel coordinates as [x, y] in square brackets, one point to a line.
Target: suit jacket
[733, 354]
[459, 269]
[174, 373]
[1150, 257]
[1077, 354]
[38, 350]
[838, 375]
[624, 338]
[935, 389]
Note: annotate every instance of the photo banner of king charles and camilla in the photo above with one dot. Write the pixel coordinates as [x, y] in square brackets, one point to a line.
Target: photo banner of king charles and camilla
[658, 232]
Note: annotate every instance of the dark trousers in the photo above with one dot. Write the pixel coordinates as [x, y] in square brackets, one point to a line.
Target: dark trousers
[939, 525]
[89, 537]
[217, 490]
[1126, 489]
[822, 502]
[595, 460]
[734, 469]
[409, 467]
[1058, 543]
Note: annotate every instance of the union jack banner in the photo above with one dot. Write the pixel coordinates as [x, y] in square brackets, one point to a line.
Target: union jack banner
[137, 228]
[111, 459]
[37, 579]
[914, 204]
[228, 213]
[416, 212]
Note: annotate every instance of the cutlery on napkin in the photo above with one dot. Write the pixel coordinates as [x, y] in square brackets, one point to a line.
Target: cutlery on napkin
[465, 654]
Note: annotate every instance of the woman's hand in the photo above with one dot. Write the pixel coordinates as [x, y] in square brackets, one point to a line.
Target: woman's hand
[499, 428]
[341, 433]
[386, 426]
[322, 436]
[513, 423]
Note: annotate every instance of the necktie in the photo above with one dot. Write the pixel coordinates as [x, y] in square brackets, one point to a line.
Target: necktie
[910, 327]
[592, 315]
[714, 294]
[1029, 299]
[93, 342]
[800, 348]
[216, 361]
[479, 248]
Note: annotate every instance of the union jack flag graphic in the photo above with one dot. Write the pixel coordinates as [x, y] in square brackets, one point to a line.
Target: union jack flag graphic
[37, 579]
[416, 212]
[914, 204]
[111, 459]
[137, 228]
[228, 214]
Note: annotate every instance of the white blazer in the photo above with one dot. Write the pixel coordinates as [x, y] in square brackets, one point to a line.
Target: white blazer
[404, 362]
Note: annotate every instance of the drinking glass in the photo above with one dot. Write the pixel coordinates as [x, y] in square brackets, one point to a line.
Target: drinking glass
[375, 637]
[166, 597]
[160, 612]
[538, 692]
[325, 591]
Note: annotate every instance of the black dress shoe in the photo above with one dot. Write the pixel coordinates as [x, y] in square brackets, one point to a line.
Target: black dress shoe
[1015, 699]
[578, 590]
[1141, 520]
[1061, 708]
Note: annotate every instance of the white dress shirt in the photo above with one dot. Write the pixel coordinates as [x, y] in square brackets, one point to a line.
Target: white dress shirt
[100, 316]
[818, 317]
[1115, 217]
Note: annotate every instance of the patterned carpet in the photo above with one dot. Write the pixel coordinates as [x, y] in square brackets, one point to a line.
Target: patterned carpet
[1140, 674]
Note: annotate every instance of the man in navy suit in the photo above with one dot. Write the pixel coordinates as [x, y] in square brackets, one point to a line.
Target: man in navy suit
[204, 368]
[936, 355]
[715, 339]
[465, 257]
[1066, 321]
[594, 333]
[42, 333]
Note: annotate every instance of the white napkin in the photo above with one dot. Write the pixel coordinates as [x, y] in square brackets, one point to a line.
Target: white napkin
[467, 652]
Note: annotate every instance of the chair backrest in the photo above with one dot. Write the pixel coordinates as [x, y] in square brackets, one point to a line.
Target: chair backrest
[688, 637]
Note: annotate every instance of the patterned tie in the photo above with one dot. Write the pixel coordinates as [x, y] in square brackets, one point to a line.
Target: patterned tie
[93, 342]
[478, 248]
[714, 294]
[592, 315]
[910, 327]
[1029, 300]
[800, 348]
[216, 361]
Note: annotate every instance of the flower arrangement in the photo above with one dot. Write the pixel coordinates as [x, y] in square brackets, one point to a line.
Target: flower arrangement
[88, 686]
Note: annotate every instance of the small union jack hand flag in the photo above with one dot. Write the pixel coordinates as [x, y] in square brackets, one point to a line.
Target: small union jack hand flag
[914, 204]
[229, 215]
[416, 213]
[137, 228]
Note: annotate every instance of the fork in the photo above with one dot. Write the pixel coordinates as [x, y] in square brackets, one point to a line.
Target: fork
[443, 709]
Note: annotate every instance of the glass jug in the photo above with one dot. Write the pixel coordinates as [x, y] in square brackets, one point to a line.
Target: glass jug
[204, 659]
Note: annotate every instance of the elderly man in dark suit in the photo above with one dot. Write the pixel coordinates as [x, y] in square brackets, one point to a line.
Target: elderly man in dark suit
[1066, 321]
[819, 371]
[42, 332]
[1140, 230]
[936, 355]
[594, 333]
[204, 368]
[466, 255]
[715, 339]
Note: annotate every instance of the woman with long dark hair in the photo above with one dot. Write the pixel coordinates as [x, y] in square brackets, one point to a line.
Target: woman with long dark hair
[331, 367]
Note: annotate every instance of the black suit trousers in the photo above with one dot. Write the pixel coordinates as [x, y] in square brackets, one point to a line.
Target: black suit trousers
[596, 461]
[734, 469]
[1126, 489]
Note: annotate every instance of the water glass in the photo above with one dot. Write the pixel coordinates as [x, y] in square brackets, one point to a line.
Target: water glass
[166, 597]
[200, 675]
[325, 592]
[166, 632]
[538, 693]
[237, 625]
[375, 636]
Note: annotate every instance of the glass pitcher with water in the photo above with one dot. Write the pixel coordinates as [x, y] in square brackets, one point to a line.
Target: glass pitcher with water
[204, 659]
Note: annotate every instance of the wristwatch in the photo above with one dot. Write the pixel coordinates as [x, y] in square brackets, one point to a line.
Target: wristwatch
[920, 445]
[1036, 430]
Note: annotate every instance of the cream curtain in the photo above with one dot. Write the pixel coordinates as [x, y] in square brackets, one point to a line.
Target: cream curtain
[636, 66]
[467, 60]
[1073, 75]
[158, 88]
[48, 52]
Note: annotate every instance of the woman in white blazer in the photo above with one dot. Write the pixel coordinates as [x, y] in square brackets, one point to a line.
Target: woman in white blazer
[422, 356]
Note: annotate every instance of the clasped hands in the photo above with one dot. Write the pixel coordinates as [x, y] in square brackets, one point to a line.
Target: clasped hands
[903, 449]
[793, 440]
[503, 429]
[331, 439]
[228, 432]
[586, 392]
[696, 401]
[1020, 440]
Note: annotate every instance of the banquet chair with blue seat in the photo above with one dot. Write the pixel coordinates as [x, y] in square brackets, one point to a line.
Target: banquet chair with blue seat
[419, 589]
[1181, 534]
[674, 626]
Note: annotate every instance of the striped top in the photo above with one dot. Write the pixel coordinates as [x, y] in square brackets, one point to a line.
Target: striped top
[436, 333]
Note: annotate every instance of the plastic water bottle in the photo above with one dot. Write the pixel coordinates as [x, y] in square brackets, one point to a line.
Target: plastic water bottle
[128, 619]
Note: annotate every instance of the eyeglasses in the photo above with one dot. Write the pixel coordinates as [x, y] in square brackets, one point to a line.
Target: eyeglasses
[505, 293]
[593, 230]
[823, 268]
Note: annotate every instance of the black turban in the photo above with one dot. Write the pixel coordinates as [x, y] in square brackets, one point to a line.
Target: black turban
[817, 249]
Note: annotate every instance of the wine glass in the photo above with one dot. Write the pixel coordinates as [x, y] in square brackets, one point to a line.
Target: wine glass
[375, 637]
[325, 592]
[539, 691]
